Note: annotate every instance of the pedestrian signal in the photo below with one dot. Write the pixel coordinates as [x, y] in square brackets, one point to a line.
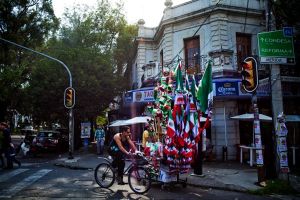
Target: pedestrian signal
[249, 74]
[69, 99]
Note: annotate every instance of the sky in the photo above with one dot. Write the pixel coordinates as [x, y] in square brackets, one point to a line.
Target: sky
[149, 10]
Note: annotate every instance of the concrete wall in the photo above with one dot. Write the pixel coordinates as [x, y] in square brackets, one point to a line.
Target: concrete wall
[220, 128]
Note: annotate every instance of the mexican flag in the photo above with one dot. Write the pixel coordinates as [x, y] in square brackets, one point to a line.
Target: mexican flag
[178, 73]
[193, 86]
[205, 89]
[187, 84]
[171, 126]
[187, 128]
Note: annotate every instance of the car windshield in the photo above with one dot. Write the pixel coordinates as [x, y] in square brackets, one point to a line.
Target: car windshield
[48, 134]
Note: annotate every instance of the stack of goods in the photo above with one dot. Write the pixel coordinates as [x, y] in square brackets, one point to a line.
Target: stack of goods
[181, 121]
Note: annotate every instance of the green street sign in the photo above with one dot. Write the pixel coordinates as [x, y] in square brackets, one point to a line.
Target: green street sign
[275, 48]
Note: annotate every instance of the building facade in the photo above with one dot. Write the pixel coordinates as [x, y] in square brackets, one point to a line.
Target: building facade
[224, 31]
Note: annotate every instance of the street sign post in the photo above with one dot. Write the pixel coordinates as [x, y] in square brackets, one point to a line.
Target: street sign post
[276, 47]
[288, 31]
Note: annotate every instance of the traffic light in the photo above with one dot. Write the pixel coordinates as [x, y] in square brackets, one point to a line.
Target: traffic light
[249, 74]
[69, 99]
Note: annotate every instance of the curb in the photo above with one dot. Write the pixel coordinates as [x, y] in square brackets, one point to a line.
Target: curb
[230, 187]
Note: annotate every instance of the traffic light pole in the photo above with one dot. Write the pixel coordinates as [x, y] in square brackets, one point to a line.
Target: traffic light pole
[71, 133]
[71, 117]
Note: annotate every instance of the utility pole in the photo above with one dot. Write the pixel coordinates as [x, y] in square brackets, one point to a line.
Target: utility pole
[275, 87]
[71, 117]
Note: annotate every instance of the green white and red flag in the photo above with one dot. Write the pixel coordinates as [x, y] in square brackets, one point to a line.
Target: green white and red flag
[171, 131]
[178, 73]
[205, 89]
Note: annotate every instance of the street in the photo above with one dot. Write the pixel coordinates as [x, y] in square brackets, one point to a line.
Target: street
[40, 179]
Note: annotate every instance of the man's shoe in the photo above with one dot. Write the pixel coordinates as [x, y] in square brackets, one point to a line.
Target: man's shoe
[121, 183]
[115, 169]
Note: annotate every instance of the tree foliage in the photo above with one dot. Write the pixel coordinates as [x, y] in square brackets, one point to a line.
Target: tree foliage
[27, 23]
[286, 15]
[95, 45]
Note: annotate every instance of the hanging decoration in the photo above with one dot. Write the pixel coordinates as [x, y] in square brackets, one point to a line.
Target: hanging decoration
[281, 135]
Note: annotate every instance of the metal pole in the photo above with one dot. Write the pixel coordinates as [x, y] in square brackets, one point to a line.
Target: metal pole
[71, 133]
[225, 123]
[42, 54]
[71, 117]
[199, 159]
[224, 149]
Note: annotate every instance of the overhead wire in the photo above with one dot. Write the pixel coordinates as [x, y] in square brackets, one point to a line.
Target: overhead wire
[177, 55]
[246, 16]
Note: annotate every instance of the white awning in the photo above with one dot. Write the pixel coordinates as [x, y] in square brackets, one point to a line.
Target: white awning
[117, 123]
[250, 117]
[292, 118]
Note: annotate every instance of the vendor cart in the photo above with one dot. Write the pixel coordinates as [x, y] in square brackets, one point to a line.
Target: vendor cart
[160, 172]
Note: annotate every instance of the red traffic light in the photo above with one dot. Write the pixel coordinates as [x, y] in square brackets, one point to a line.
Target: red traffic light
[247, 65]
[249, 74]
[69, 97]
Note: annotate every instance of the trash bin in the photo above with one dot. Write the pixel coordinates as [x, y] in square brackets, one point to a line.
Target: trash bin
[86, 144]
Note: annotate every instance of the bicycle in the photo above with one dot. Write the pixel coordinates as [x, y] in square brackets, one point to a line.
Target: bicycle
[139, 178]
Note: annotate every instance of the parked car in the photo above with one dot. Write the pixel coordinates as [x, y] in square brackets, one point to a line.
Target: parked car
[48, 140]
[29, 134]
[64, 138]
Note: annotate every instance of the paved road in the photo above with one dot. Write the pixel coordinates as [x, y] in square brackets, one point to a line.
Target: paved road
[45, 181]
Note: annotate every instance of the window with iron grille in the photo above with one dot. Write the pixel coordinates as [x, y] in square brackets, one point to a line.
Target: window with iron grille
[243, 48]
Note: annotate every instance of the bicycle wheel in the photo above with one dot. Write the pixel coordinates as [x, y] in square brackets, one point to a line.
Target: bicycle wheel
[139, 180]
[104, 175]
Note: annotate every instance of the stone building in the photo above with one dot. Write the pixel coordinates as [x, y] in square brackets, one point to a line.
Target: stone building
[224, 31]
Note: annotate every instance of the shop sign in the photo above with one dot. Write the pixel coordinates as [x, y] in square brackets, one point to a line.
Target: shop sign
[128, 97]
[85, 130]
[276, 47]
[227, 88]
[143, 95]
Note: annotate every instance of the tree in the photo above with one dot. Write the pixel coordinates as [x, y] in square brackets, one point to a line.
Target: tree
[124, 52]
[93, 44]
[28, 23]
[286, 15]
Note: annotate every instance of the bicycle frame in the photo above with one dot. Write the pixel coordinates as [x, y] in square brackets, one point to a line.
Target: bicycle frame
[132, 170]
[106, 160]
[132, 164]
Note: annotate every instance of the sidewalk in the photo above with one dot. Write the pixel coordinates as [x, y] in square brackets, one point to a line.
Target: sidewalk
[229, 175]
